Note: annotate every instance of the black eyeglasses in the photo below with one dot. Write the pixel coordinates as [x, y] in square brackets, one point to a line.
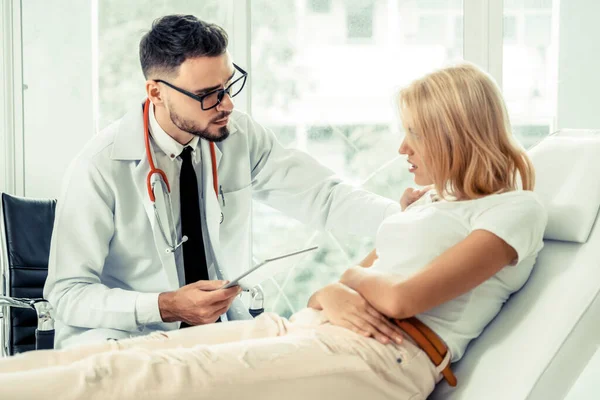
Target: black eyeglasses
[214, 98]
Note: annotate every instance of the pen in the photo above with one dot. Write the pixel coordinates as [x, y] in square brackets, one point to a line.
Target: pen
[222, 195]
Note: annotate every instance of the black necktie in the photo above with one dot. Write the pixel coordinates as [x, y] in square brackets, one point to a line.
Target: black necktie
[194, 256]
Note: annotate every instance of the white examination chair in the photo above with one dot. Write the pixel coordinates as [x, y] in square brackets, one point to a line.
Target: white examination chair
[543, 338]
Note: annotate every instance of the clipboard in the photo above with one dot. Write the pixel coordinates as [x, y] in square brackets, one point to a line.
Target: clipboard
[236, 281]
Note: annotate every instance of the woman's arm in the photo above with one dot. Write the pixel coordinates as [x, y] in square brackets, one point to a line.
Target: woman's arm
[345, 307]
[368, 261]
[456, 271]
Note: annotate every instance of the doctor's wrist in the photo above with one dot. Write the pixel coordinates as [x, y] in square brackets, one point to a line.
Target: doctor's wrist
[167, 306]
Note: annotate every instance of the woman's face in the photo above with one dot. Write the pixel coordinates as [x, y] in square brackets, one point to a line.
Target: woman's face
[415, 159]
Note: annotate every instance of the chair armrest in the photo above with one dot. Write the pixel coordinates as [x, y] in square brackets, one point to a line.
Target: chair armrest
[14, 302]
[42, 308]
[44, 333]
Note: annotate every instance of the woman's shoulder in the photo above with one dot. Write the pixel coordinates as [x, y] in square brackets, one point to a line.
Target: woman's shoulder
[511, 200]
[511, 204]
[519, 207]
[512, 196]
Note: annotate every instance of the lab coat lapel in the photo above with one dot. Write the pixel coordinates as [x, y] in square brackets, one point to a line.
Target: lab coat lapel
[129, 145]
[218, 154]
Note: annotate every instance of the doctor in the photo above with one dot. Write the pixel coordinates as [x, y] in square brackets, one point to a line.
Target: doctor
[155, 212]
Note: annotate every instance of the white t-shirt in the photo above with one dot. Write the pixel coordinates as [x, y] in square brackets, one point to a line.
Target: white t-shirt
[408, 241]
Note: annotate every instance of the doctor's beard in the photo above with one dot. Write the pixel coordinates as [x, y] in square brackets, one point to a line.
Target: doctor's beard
[191, 128]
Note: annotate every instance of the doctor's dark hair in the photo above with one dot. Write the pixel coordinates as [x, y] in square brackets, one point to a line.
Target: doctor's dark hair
[175, 38]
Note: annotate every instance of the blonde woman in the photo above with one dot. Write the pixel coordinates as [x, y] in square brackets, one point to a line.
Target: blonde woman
[451, 258]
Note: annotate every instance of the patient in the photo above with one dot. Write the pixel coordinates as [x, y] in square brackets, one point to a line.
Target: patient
[454, 255]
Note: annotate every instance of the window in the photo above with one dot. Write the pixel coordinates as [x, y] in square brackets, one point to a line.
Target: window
[335, 100]
[538, 30]
[432, 29]
[302, 94]
[120, 29]
[359, 19]
[538, 4]
[459, 33]
[320, 6]
[527, 69]
[434, 23]
[510, 29]
[443, 5]
[319, 91]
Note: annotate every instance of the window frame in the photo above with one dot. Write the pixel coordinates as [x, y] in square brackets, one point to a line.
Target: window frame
[12, 174]
[482, 43]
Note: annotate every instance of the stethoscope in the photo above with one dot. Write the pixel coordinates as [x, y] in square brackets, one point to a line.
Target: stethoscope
[157, 175]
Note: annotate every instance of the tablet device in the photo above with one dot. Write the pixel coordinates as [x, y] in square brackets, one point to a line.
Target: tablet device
[236, 281]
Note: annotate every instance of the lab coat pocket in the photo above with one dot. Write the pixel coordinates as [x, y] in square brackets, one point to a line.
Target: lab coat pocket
[236, 229]
[236, 205]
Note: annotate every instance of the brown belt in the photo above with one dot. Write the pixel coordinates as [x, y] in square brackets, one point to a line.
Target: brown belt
[429, 342]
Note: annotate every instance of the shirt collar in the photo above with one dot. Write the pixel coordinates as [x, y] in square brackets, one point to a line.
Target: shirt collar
[166, 143]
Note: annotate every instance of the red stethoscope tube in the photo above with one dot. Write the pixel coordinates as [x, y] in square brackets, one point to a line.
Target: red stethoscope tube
[154, 170]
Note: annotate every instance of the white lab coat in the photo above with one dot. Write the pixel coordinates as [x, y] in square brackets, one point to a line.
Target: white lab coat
[107, 249]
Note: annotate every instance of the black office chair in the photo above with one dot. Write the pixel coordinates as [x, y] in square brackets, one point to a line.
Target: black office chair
[27, 322]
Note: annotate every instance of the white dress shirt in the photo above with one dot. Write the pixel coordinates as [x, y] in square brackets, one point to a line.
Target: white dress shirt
[167, 151]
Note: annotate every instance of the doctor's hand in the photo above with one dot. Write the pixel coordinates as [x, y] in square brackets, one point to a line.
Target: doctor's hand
[345, 307]
[411, 195]
[198, 303]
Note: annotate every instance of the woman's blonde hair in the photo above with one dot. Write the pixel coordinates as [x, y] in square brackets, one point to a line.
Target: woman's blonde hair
[461, 128]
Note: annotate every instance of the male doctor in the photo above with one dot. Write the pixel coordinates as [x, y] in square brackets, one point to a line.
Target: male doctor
[116, 269]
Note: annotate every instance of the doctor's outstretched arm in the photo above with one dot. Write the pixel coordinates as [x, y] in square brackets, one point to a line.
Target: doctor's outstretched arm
[295, 183]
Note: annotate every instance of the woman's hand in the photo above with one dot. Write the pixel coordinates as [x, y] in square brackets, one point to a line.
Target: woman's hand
[411, 195]
[347, 308]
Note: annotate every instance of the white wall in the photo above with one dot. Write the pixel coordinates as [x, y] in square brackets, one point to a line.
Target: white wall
[57, 76]
[578, 99]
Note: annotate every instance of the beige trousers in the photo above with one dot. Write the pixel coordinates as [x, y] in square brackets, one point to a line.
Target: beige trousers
[266, 358]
